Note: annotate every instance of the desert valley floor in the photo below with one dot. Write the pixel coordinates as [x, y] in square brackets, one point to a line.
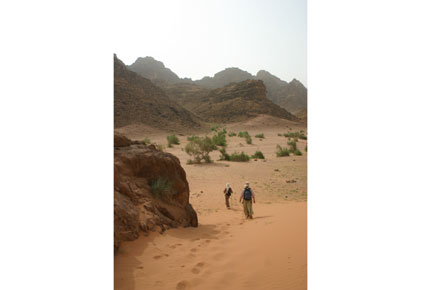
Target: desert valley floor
[226, 251]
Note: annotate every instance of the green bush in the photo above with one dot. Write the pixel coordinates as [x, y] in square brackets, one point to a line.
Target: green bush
[299, 135]
[147, 140]
[232, 134]
[219, 139]
[161, 188]
[199, 148]
[279, 134]
[243, 134]
[172, 139]
[224, 155]
[282, 151]
[191, 138]
[258, 155]
[292, 146]
[297, 152]
[306, 148]
[239, 157]
[215, 127]
[261, 135]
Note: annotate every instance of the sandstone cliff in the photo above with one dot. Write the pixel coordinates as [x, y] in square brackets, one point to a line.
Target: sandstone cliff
[151, 192]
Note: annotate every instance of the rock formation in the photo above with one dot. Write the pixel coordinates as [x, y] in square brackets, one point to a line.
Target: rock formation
[224, 78]
[235, 102]
[153, 70]
[290, 96]
[151, 192]
[138, 100]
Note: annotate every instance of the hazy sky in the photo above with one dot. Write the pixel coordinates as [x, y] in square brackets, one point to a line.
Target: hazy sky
[200, 38]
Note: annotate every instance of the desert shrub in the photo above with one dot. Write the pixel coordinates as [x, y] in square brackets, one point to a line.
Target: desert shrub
[232, 134]
[297, 152]
[207, 158]
[239, 157]
[224, 155]
[279, 134]
[161, 188]
[295, 139]
[306, 148]
[215, 127]
[291, 135]
[261, 135]
[172, 139]
[199, 148]
[299, 135]
[191, 138]
[243, 134]
[258, 155]
[219, 139]
[292, 146]
[147, 140]
[282, 151]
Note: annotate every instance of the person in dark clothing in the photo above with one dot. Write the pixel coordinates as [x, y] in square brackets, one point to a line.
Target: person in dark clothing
[227, 191]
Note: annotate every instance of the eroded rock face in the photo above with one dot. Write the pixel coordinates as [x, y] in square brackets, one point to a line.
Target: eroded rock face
[150, 191]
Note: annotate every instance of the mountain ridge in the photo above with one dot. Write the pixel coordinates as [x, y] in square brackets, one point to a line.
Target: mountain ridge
[290, 95]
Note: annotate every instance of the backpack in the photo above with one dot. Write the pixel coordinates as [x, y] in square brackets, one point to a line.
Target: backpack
[228, 192]
[247, 194]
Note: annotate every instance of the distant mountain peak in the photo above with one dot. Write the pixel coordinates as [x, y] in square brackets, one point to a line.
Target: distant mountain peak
[291, 96]
[153, 69]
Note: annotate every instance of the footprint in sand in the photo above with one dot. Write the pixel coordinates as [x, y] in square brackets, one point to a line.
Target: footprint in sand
[207, 241]
[175, 246]
[197, 268]
[193, 250]
[182, 285]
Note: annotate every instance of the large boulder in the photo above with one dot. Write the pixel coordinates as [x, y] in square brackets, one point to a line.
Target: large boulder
[150, 191]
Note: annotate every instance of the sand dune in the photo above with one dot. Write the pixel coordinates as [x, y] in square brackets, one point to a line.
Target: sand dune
[227, 251]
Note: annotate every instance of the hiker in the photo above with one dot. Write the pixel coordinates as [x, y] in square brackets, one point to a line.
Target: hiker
[247, 196]
[227, 191]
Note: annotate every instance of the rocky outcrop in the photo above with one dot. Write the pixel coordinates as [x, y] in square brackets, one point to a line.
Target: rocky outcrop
[151, 192]
[138, 100]
[291, 96]
[237, 102]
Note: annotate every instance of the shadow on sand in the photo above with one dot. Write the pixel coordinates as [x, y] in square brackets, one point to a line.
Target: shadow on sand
[262, 217]
[207, 231]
